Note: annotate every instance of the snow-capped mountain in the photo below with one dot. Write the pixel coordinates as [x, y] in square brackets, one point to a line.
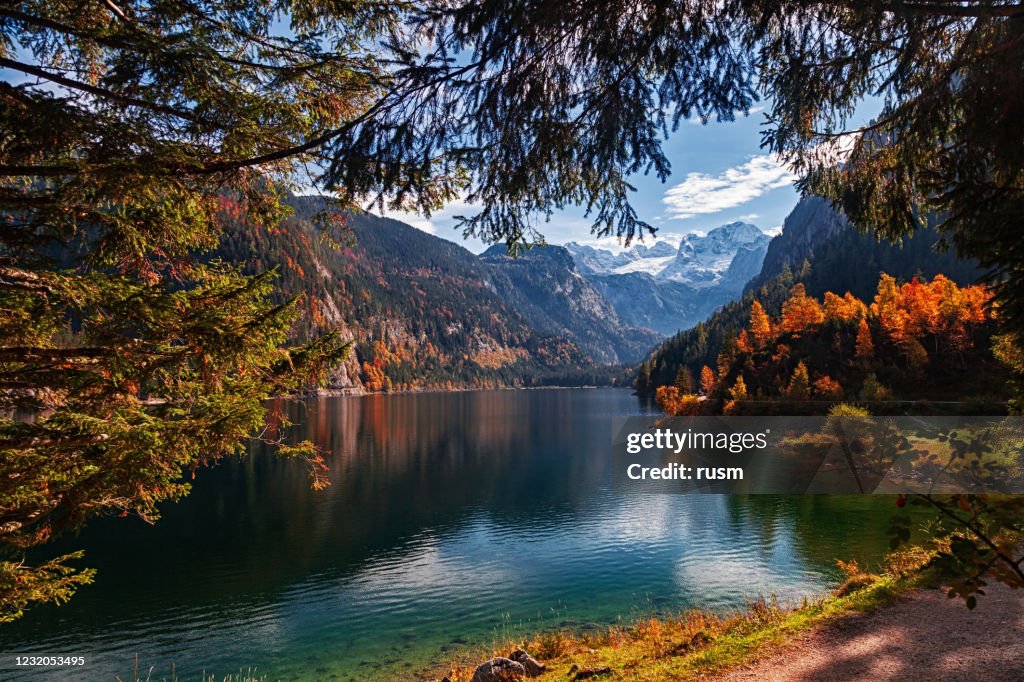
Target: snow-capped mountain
[668, 288]
[704, 260]
[640, 258]
[700, 260]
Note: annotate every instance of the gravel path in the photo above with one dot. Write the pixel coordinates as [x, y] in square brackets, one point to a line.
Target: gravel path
[924, 636]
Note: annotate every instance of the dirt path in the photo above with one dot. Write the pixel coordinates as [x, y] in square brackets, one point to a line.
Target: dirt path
[924, 636]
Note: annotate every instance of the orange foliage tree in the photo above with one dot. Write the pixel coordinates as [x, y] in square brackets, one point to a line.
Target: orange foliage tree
[761, 329]
[800, 312]
[915, 317]
[865, 347]
[846, 308]
[707, 380]
[674, 402]
[827, 388]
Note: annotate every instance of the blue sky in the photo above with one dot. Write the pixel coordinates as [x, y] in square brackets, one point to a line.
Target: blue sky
[719, 174]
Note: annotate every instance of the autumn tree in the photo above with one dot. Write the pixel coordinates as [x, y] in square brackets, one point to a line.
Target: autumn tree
[760, 326]
[673, 402]
[800, 311]
[739, 389]
[124, 126]
[799, 384]
[907, 313]
[864, 350]
[846, 308]
[743, 343]
[707, 380]
[827, 388]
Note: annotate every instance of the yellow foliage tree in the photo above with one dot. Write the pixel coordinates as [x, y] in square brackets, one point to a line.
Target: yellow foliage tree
[675, 403]
[799, 383]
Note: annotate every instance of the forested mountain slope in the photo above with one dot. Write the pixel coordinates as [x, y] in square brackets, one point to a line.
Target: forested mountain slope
[422, 312]
[819, 249]
[545, 286]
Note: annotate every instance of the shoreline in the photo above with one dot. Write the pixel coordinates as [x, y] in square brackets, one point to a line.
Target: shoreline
[701, 644]
[359, 392]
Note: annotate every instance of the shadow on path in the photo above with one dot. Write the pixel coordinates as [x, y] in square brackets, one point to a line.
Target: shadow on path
[925, 636]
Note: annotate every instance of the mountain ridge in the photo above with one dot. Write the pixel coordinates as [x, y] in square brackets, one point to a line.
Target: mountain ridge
[545, 285]
[820, 249]
[670, 293]
[426, 313]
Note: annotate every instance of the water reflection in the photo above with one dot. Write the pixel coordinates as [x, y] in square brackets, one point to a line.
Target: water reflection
[449, 516]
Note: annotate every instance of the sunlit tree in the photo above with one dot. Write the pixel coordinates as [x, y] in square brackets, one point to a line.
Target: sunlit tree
[739, 389]
[124, 126]
[799, 384]
[707, 380]
[760, 326]
[846, 308]
[865, 347]
[800, 311]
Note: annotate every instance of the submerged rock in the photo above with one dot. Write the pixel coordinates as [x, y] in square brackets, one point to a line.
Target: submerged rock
[533, 667]
[498, 670]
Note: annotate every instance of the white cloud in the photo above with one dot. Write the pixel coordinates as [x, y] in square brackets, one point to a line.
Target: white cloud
[834, 150]
[700, 194]
[443, 218]
[414, 219]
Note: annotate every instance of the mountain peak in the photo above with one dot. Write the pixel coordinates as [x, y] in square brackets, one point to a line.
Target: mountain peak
[737, 231]
[705, 260]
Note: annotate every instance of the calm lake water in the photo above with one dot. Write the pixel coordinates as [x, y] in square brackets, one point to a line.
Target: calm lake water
[452, 520]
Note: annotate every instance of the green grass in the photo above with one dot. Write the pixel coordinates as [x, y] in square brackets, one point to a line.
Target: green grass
[697, 643]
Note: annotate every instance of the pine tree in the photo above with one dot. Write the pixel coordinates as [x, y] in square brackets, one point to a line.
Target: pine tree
[684, 380]
[126, 126]
[799, 384]
[739, 389]
[865, 348]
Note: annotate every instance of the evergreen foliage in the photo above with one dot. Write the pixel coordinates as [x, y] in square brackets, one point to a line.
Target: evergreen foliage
[125, 361]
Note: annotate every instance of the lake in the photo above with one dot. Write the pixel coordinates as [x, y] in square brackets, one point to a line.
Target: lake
[453, 519]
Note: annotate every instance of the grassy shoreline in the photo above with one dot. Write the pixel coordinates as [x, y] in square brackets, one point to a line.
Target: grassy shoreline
[697, 643]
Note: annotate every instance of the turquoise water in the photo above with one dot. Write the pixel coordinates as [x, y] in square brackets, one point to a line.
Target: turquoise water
[453, 519]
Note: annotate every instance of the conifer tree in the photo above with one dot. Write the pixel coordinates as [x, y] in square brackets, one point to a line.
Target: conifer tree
[684, 380]
[739, 389]
[799, 384]
[707, 380]
[865, 348]
[124, 124]
[760, 326]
